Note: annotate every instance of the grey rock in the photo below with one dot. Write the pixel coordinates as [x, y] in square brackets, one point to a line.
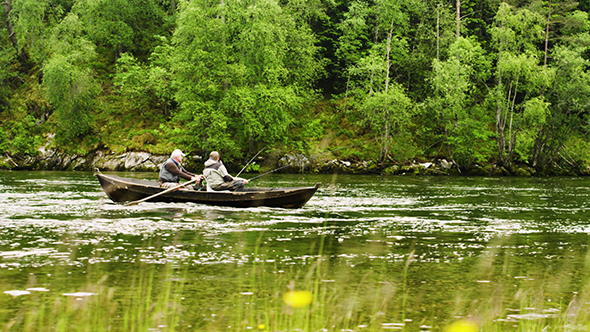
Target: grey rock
[158, 160]
[445, 164]
[136, 159]
[294, 160]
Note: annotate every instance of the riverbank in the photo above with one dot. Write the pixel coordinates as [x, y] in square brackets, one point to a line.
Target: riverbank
[287, 163]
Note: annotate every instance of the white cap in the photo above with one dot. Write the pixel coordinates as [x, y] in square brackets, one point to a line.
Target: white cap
[176, 153]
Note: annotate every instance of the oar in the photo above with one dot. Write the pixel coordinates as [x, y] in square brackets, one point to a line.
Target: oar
[250, 161]
[163, 192]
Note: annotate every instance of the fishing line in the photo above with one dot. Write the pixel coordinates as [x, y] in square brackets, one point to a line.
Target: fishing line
[311, 158]
[250, 161]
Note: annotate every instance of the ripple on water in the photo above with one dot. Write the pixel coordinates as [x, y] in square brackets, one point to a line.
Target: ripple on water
[358, 210]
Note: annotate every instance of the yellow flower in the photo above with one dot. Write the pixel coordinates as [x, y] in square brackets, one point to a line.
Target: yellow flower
[261, 326]
[298, 299]
[462, 326]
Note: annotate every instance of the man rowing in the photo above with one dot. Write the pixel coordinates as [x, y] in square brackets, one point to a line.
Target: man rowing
[172, 170]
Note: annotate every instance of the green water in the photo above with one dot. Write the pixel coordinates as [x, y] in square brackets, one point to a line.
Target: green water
[378, 253]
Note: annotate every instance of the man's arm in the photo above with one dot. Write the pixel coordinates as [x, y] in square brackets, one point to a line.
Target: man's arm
[172, 168]
[225, 174]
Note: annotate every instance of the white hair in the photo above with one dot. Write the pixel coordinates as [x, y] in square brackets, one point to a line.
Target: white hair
[176, 153]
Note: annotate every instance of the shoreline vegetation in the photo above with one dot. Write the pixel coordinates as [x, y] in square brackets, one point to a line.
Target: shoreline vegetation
[489, 87]
[289, 163]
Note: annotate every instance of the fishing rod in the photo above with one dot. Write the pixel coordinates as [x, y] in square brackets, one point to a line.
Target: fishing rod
[312, 157]
[250, 161]
[274, 170]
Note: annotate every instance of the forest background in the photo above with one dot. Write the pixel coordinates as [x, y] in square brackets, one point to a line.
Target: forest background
[483, 82]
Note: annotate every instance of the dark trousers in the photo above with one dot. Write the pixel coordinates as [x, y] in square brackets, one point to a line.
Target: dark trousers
[235, 185]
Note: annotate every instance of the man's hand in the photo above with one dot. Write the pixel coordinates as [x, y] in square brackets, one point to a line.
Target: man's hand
[199, 178]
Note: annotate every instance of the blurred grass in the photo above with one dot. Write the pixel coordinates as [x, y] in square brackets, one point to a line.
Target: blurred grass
[269, 296]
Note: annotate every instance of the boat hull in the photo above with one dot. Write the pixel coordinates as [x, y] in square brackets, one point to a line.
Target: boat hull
[120, 189]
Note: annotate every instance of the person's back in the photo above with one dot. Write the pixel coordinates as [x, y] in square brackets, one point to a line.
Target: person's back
[217, 176]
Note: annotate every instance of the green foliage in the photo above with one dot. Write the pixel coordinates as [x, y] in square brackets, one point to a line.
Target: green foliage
[68, 81]
[314, 129]
[130, 77]
[578, 149]
[463, 122]
[34, 20]
[390, 109]
[70, 90]
[517, 29]
[236, 75]
[354, 39]
[7, 75]
[19, 137]
[252, 168]
[123, 25]
[147, 87]
[402, 148]
[472, 143]
[240, 67]
[520, 76]
[4, 140]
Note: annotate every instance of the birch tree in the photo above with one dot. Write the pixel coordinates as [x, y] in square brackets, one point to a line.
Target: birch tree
[454, 83]
[520, 75]
[242, 67]
[382, 102]
[69, 82]
[568, 95]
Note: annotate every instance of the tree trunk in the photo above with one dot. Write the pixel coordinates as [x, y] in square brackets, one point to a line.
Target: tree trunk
[499, 130]
[500, 141]
[23, 57]
[386, 142]
[374, 42]
[389, 37]
[538, 149]
[387, 78]
[346, 94]
[11, 35]
[225, 82]
[511, 139]
[458, 18]
[438, 32]
[547, 33]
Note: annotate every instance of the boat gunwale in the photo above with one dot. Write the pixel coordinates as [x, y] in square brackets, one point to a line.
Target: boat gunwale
[154, 184]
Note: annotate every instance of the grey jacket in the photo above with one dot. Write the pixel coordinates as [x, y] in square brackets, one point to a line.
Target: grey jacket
[215, 173]
[171, 171]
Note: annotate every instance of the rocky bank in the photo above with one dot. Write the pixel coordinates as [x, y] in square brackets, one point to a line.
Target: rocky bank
[288, 163]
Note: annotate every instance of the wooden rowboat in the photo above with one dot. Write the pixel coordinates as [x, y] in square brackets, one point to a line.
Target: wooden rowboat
[121, 189]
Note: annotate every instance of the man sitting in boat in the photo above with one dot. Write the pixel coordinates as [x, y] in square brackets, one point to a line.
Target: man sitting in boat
[217, 177]
[171, 172]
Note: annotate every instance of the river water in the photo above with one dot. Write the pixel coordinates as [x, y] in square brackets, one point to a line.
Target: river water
[376, 253]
